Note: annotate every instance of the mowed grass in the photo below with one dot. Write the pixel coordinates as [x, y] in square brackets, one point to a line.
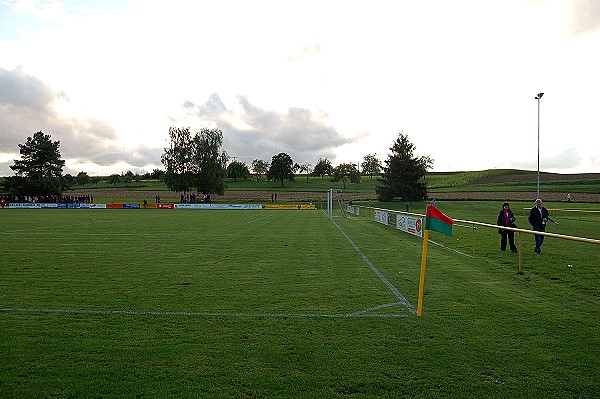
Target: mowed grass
[173, 303]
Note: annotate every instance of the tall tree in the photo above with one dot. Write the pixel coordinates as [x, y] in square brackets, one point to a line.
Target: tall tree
[39, 171]
[195, 162]
[282, 168]
[323, 167]
[210, 161]
[237, 169]
[403, 173]
[371, 165]
[259, 167]
[177, 160]
[345, 172]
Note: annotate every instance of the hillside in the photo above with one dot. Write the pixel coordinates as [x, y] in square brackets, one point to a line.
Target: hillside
[492, 184]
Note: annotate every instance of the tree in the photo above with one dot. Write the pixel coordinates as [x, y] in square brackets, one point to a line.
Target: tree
[195, 162]
[39, 171]
[260, 167]
[177, 160]
[128, 177]
[114, 179]
[157, 174]
[403, 173]
[238, 169]
[209, 162]
[82, 178]
[323, 167]
[282, 168]
[304, 168]
[345, 172]
[69, 179]
[371, 165]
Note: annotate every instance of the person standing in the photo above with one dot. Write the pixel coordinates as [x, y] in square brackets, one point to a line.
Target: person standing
[538, 217]
[506, 218]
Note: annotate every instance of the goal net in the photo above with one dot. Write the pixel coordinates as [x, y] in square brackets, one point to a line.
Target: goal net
[335, 204]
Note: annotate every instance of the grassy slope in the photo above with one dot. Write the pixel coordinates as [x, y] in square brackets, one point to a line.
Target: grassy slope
[437, 181]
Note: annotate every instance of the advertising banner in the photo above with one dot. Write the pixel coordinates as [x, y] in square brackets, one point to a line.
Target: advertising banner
[217, 206]
[289, 206]
[410, 224]
[26, 205]
[381, 217]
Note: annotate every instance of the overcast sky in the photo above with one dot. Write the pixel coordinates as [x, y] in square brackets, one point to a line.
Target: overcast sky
[326, 78]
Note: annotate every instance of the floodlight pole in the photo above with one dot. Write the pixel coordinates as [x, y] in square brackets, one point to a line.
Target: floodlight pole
[538, 98]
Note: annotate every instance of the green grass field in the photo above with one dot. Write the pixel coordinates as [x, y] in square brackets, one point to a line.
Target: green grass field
[288, 304]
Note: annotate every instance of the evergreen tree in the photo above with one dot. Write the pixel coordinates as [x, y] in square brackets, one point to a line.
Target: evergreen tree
[39, 171]
[403, 173]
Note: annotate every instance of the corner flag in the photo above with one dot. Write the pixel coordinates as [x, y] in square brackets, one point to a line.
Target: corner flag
[435, 221]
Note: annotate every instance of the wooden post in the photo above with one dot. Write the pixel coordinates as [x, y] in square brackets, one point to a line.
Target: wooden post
[520, 255]
[422, 278]
[473, 236]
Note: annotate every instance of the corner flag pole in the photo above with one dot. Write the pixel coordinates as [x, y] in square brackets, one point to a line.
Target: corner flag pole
[422, 278]
[436, 221]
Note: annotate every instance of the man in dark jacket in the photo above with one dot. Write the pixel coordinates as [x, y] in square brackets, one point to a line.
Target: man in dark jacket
[538, 217]
[506, 218]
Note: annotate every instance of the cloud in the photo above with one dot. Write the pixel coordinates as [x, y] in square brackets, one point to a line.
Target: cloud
[251, 132]
[304, 52]
[585, 17]
[27, 106]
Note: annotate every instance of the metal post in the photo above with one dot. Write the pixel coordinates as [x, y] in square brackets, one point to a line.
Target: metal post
[538, 98]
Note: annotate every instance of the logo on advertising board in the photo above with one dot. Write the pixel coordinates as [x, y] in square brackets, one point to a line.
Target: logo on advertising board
[381, 217]
[410, 224]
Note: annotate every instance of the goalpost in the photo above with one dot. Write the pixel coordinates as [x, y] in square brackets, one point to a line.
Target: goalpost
[334, 200]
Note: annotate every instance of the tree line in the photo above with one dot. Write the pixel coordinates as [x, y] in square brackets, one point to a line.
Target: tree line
[197, 162]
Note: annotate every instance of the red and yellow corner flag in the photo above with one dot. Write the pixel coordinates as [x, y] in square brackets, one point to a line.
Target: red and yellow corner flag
[435, 221]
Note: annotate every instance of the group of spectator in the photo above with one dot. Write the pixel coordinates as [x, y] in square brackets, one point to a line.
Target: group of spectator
[192, 198]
